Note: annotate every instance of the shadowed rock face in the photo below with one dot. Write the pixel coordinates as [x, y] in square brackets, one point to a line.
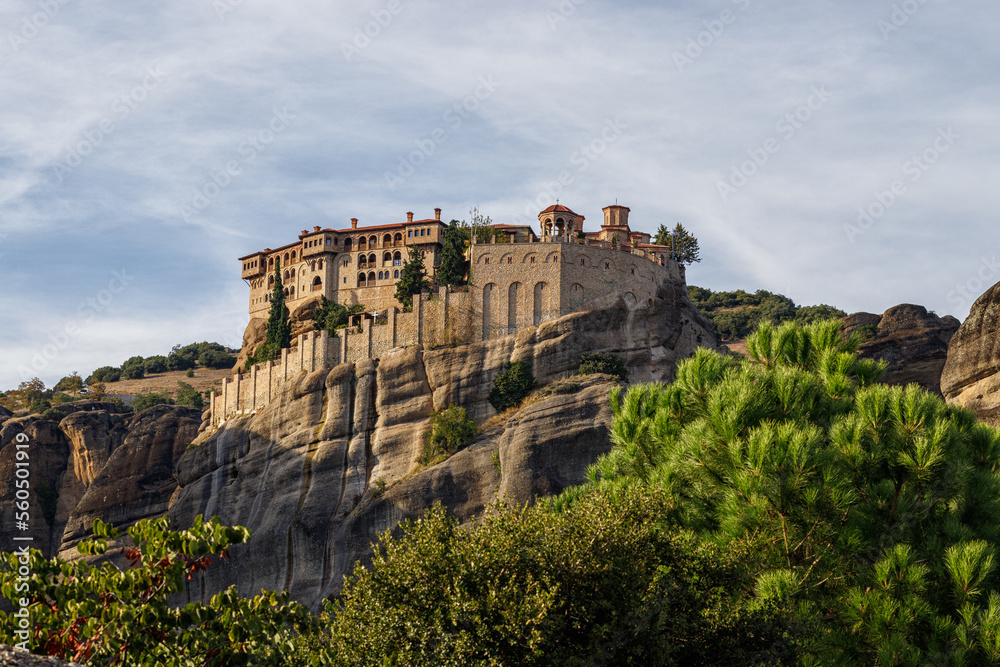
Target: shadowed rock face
[971, 376]
[913, 341]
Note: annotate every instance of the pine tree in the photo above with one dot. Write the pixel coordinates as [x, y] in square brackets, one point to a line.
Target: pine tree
[453, 264]
[412, 279]
[683, 246]
[279, 329]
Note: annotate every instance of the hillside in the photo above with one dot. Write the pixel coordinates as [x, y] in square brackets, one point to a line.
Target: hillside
[736, 314]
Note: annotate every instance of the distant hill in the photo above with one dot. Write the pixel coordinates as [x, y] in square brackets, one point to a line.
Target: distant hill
[736, 314]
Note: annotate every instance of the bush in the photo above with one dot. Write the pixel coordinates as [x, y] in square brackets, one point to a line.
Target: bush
[105, 374]
[132, 361]
[216, 359]
[53, 415]
[133, 372]
[602, 362]
[155, 364]
[71, 383]
[451, 430]
[511, 386]
[188, 395]
[148, 400]
[180, 362]
[190, 373]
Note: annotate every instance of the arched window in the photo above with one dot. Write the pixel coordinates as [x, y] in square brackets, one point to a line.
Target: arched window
[371, 277]
[348, 244]
[270, 282]
[293, 273]
[284, 276]
[362, 243]
[398, 238]
[320, 264]
[372, 259]
[577, 295]
[317, 284]
[397, 259]
[380, 275]
[395, 274]
[286, 258]
[293, 255]
[386, 258]
[362, 281]
[291, 290]
[583, 262]
[387, 240]
[372, 241]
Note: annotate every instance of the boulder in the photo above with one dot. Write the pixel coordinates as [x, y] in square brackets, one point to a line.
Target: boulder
[971, 375]
[12, 657]
[912, 340]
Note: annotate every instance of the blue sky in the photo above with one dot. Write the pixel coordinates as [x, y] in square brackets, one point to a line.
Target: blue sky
[840, 153]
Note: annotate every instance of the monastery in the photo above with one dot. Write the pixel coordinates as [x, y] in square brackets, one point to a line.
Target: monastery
[518, 278]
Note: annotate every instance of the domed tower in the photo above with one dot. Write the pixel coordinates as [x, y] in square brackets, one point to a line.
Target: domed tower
[558, 220]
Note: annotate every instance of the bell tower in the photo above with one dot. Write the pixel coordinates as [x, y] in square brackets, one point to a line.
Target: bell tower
[560, 221]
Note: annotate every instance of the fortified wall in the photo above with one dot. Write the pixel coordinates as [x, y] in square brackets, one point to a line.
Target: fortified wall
[516, 281]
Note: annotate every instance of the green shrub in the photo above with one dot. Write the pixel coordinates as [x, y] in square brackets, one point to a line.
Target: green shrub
[39, 406]
[188, 395]
[511, 386]
[53, 415]
[105, 374]
[216, 359]
[602, 362]
[155, 364]
[190, 373]
[451, 430]
[148, 400]
[133, 372]
[378, 487]
[71, 383]
[180, 362]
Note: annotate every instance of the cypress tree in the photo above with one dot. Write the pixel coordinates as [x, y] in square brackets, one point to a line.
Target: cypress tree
[453, 264]
[279, 329]
[412, 279]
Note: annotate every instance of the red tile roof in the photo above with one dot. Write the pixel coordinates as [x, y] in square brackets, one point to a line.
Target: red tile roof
[557, 208]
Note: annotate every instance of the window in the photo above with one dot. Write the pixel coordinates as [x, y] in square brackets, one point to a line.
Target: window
[395, 274]
[320, 265]
[328, 241]
[410, 233]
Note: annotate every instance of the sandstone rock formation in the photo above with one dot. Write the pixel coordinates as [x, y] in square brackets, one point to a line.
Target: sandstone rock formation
[912, 340]
[971, 376]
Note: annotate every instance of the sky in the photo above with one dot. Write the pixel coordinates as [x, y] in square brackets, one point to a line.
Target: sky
[835, 152]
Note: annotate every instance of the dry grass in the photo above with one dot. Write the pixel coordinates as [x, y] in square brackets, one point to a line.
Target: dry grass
[204, 379]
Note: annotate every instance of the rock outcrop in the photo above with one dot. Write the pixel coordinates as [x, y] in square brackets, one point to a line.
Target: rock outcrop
[971, 376]
[11, 657]
[333, 461]
[913, 341]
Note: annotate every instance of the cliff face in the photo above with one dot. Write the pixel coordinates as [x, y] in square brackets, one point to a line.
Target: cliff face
[971, 376]
[307, 472]
[301, 473]
[913, 341]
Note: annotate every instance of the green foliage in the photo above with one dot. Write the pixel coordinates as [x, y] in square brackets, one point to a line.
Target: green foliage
[190, 373]
[71, 383]
[279, 328]
[683, 246]
[453, 263]
[875, 510]
[100, 614]
[604, 582]
[105, 374]
[514, 382]
[736, 314]
[495, 460]
[602, 362]
[412, 279]
[481, 227]
[216, 359]
[378, 487]
[180, 362]
[133, 372]
[188, 395]
[149, 400]
[330, 315]
[451, 430]
[52, 415]
[155, 364]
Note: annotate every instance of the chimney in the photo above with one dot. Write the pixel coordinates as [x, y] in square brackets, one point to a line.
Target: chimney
[354, 223]
[304, 232]
[437, 214]
[316, 228]
[267, 250]
[409, 216]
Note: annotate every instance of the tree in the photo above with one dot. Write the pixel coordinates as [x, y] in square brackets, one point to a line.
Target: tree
[870, 509]
[98, 390]
[155, 364]
[683, 246]
[602, 583]
[451, 430]
[453, 262]
[188, 395]
[602, 362]
[412, 279]
[279, 329]
[215, 359]
[72, 383]
[330, 315]
[514, 382]
[145, 401]
[103, 614]
[480, 226]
